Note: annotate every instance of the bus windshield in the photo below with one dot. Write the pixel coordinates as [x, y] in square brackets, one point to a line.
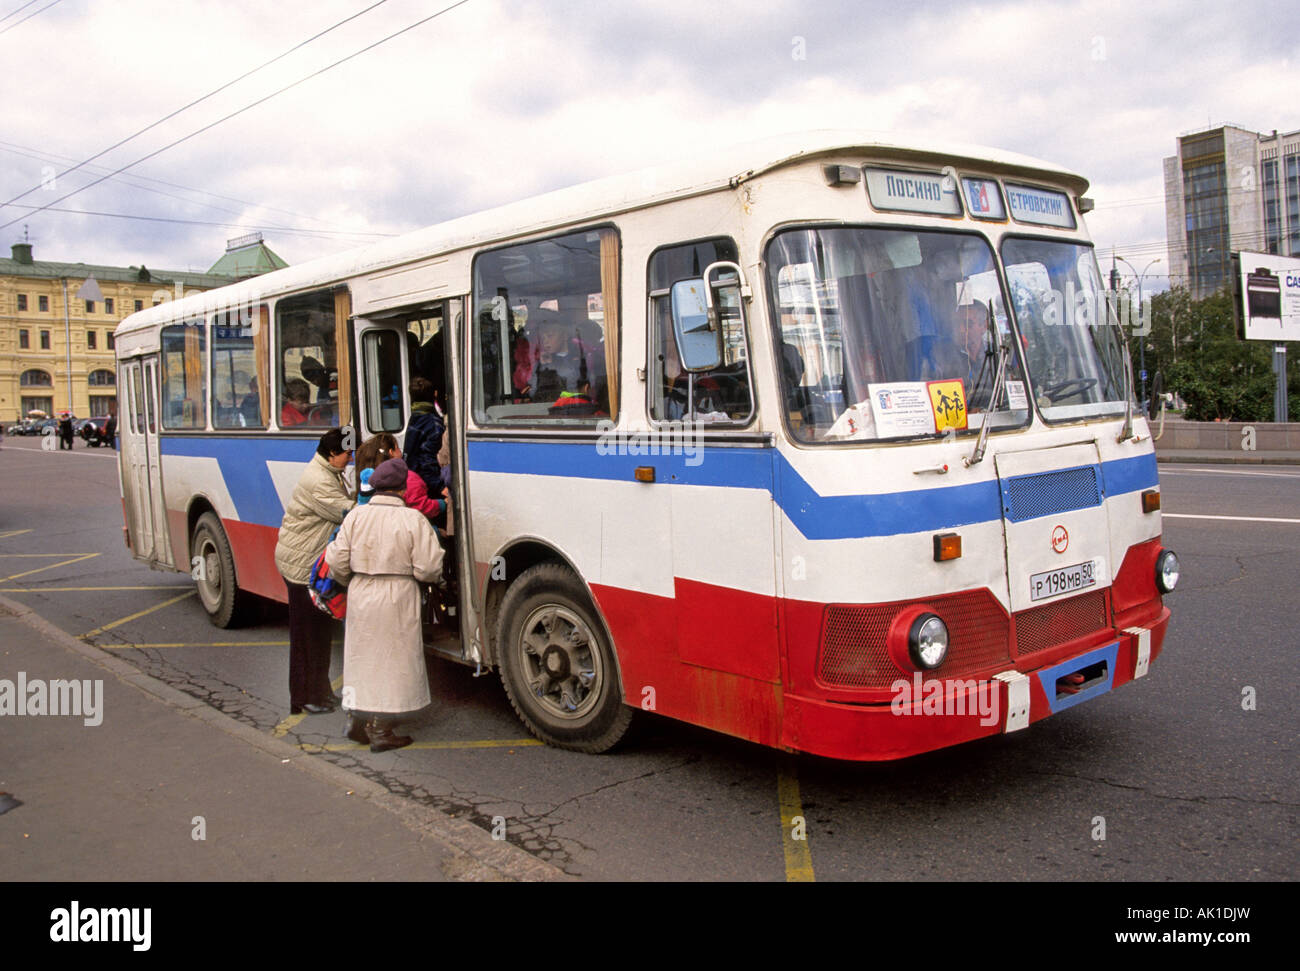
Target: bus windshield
[885, 333]
[1074, 353]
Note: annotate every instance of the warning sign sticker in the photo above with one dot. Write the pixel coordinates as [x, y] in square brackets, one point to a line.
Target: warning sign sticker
[948, 402]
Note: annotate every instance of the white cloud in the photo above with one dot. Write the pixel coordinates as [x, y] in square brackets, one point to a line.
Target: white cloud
[500, 99]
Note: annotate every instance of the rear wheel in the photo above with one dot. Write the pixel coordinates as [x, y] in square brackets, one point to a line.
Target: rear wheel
[213, 567]
[557, 664]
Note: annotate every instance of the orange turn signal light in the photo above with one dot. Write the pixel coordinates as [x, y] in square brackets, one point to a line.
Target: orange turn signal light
[645, 473]
[947, 546]
[1151, 500]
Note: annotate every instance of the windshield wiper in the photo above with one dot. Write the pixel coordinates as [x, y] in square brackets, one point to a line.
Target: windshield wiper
[1003, 344]
[1126, 432]
[1126, 361]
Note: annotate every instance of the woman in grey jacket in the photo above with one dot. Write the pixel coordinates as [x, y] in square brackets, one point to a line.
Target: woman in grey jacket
[319, 503]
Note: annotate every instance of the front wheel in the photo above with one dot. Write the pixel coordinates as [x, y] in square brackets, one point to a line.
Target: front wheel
[213, 568]
[557, 665]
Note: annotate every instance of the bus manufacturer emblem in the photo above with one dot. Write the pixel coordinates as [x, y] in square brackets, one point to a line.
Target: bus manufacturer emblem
[1060, 539]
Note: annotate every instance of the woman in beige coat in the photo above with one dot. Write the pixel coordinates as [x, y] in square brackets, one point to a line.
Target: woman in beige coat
[382, 552]
[319, 502]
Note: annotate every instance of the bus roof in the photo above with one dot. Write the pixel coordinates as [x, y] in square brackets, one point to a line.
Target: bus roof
[726, 166]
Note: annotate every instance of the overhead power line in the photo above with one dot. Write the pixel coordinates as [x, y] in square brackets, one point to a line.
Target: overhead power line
[19, 10]
[292, 230]
[196, 101]
[134, 181]
[29, 16]
[240, 111]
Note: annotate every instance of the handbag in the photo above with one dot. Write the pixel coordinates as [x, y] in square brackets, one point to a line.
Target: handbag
[327, 593]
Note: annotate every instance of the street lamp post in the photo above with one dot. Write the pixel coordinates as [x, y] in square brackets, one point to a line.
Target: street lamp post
[1142, 357]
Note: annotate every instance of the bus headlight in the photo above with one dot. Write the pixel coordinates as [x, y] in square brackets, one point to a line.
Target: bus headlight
[1167, 571]
[927, 642]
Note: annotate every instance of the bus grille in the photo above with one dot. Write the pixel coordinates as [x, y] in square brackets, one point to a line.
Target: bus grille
[854, 654]
[1039, 628]
[1048, 493]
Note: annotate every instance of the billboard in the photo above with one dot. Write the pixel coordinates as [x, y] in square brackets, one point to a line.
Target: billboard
[1270, 297]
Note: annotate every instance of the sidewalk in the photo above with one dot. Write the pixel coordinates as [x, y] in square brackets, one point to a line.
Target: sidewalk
[118, 800]
[1227, 456]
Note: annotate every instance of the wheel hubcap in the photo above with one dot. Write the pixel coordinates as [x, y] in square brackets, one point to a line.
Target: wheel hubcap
[210, 580]
[559, 661]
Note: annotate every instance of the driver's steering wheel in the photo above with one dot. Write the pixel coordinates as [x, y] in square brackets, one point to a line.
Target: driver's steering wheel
[1064, 389]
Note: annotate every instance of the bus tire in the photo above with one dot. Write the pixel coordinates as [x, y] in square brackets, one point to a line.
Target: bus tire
[557, 664]
[213, 568]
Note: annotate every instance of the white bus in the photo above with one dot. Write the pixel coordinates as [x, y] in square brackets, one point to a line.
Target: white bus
[793, 442]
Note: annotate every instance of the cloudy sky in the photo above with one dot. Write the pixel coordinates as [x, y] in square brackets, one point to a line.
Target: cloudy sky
[496, 100]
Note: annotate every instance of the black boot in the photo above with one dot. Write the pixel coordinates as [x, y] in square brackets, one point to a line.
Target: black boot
[382, 736]
[356, 730]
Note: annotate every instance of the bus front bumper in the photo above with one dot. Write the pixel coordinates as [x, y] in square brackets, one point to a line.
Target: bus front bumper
[937, 713]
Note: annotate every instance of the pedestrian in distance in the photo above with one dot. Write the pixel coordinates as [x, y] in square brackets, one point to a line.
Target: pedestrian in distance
[383, 552]
[320, 501]
[65, 432]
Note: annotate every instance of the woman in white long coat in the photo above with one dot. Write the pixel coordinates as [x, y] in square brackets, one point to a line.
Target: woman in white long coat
[382, 552]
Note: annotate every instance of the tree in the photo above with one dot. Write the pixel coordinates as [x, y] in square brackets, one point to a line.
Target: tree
[1220, 376]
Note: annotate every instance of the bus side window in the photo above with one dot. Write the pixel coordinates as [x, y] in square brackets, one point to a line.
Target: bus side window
[184, 378]
[307, 352]
[238, 370]
[546, 330]
[722, 394]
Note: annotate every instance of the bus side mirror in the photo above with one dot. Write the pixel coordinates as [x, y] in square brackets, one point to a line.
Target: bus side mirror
[699, 338]
[1157, 393]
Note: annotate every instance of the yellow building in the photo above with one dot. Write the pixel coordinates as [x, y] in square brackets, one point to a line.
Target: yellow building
[57, 322]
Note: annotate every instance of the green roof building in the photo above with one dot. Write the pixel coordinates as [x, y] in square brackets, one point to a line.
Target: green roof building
[247, 256]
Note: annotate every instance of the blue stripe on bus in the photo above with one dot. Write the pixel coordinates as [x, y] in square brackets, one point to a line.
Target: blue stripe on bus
[1130, 475]
[243, 467]
[815, 516]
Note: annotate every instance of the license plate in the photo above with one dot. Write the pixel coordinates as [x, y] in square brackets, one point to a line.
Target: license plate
[1065, 580]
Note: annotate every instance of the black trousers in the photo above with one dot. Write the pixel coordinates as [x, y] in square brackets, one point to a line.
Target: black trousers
[310, 630]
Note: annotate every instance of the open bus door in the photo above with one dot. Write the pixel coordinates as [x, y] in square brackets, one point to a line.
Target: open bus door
[141, 463]
[391, 349]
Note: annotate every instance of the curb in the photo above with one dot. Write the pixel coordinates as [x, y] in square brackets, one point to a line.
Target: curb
[1246, 458]
[474, 856]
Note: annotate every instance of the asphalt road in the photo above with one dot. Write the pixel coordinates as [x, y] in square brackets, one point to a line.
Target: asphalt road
[1191, 783]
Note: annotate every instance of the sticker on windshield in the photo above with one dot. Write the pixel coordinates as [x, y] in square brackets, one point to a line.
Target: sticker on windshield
[901, 409]
[948, 403]
[1017, 400]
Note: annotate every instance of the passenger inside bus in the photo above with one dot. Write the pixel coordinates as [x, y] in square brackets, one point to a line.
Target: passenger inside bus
[297, 403]
[251, 405]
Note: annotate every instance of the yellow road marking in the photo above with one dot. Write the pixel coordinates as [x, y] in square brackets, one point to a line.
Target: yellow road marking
[160, 586]
[484, 743]
[13, 532]
[76, 558]
[142, 647]
[46, 554]
[292, 721]
[798, 858]
[137, 615]
[287, 725]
